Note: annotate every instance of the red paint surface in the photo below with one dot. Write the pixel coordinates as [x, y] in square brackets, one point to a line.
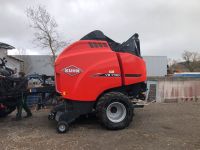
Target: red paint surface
[87, 86]
[132, 64]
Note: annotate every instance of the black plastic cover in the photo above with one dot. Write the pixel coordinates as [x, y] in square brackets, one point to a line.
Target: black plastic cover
[132, 45]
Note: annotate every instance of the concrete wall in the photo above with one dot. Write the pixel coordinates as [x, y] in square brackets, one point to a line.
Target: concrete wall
[40, 64]
[156, 65]
[176, 89]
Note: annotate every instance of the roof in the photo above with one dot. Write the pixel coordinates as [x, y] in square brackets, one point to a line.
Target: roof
[188, 74]
[6, 46]
[15, 58]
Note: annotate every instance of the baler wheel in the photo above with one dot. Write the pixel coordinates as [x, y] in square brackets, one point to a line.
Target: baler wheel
[115, 110]
[62, 127]
[6, 112]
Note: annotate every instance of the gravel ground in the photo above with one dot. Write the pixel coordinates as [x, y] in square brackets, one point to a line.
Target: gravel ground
[155, 127]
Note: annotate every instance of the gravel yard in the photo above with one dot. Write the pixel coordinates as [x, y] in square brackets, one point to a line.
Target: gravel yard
[171, 126]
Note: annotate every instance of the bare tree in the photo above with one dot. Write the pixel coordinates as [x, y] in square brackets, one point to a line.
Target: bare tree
[46, 35]
[192, 60]
[171, 62]
[171, 66]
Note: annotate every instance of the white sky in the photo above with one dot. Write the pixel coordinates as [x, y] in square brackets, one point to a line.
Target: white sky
[166, 27]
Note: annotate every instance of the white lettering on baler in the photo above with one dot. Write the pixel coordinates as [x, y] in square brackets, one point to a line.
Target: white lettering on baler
[72, 70]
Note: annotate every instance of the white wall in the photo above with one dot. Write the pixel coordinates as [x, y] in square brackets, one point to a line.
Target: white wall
[3, 53]
[40, 64]
[156, 65]
[179, 89]
[11, 63]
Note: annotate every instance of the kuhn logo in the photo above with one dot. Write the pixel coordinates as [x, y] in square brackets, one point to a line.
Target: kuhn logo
[72, 70]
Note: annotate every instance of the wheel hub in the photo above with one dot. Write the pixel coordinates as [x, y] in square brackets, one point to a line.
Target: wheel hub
[116, 112]
[62, 128]
[113, 110]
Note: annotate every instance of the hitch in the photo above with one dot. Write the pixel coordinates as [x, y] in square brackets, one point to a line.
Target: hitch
[66, 112]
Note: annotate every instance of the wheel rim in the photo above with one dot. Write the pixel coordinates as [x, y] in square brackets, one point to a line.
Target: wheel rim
[116, 112]
[62, 128]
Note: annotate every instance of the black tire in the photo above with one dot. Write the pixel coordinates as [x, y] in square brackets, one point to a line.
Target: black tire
[3, 114]
[62, 127]
[6, 112]
[106, 101]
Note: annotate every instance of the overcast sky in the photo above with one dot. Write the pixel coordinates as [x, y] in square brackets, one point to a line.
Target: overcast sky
[166, 27]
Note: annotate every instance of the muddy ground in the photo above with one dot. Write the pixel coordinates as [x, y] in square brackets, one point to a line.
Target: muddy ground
[174, 126]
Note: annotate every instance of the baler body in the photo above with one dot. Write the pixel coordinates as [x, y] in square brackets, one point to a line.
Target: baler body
[88, 68]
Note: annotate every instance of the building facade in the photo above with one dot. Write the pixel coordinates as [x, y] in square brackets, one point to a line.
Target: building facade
[12, 62]
[156, 66]
[42, 64]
